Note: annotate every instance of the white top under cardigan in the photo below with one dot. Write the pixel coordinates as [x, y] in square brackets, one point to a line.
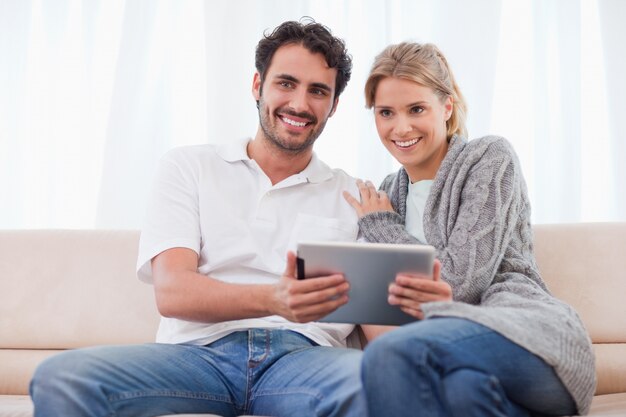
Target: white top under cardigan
[415, 203]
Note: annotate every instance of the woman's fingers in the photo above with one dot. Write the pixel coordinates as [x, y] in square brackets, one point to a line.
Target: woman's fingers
[410, 291]
[417, 313]
[437, 270]
[365, 190]
[413, 297]
[371, 199]
[356, 204]
[424, 284]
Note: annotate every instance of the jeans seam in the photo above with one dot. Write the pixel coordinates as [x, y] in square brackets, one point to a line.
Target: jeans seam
[246, 400]
[265, 393]
[129, 395]
[496, 397]
[250, 369]
[268, 342]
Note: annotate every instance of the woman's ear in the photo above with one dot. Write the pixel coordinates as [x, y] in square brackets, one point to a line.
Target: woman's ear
[449, 106]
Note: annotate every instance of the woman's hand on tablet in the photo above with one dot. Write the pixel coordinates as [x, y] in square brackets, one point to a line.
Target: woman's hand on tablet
[409, 291]
[371, 199]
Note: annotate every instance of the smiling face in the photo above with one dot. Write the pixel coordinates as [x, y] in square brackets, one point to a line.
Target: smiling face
[411, 123]
[295, 99]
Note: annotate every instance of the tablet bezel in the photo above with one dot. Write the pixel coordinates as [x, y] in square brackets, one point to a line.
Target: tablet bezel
[370, 268]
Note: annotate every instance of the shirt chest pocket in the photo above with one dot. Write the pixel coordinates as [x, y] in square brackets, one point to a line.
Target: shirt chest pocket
[307, 227]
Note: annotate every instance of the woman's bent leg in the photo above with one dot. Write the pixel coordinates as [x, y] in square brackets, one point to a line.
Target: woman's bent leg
[469, 392]
[450, 366]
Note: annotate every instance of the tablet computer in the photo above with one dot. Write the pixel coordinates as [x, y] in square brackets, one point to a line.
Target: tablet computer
[370, 268]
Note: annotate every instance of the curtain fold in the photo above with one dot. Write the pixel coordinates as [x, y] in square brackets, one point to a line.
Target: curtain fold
[612, 30]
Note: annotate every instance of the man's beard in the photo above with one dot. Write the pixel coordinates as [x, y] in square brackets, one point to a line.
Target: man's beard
[281, 143]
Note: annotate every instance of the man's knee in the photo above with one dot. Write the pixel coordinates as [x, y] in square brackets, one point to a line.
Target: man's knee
[350, 362]
[344, 372]
[51, 369]
[61, 373]
[348, 398]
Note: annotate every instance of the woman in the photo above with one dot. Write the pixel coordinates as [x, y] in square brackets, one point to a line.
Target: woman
[492, 340]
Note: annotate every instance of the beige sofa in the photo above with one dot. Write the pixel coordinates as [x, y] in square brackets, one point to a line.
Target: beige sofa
[67, 289]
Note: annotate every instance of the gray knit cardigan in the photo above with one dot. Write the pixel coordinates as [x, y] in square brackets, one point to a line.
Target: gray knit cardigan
[477, 216]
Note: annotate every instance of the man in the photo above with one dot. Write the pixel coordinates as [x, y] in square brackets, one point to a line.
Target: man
[236, 335]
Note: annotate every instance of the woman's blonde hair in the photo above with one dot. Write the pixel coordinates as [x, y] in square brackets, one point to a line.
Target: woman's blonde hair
[425, 65]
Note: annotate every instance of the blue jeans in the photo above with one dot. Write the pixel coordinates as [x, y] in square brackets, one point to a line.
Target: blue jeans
[455, 367]
[259, 371]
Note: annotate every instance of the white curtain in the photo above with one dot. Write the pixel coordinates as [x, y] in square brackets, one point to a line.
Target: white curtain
[93, 92]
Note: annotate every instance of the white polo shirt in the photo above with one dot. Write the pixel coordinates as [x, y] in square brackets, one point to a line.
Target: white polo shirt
[216, 201]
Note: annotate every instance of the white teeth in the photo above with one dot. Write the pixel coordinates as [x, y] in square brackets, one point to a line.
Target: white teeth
[293, 122]
[407, 143]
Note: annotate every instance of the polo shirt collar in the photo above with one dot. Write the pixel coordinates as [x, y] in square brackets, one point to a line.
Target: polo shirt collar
[234, 151]
[316, 171]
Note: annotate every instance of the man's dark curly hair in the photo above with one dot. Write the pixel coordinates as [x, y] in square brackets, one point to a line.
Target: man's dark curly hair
[315, 37]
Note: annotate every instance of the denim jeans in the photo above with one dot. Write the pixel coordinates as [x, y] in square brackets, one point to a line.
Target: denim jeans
[458, 368]
[259, 371]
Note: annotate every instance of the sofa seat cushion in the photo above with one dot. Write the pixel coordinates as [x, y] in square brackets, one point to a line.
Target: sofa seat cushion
[22, 406]
[612, 405]
[609, 405]
[15, 406]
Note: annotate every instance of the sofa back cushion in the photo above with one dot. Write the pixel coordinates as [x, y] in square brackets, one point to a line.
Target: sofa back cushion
[68, 288]
[63, 289]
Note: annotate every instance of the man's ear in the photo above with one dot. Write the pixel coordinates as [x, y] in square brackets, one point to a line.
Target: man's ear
[256, 86]
[334, 108]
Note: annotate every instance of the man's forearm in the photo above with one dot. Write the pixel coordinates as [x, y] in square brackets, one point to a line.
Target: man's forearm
[183, 293]
[194, 297]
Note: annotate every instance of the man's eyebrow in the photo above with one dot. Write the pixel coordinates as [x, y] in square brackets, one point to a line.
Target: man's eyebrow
[288, 77]
[322, 86]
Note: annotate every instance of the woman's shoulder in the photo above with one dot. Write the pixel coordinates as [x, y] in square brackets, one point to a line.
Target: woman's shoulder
[481, 152]
[492, 145]
[483, 159]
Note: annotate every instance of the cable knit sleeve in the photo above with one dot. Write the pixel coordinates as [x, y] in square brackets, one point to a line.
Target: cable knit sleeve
[385, 227]
[483, 208]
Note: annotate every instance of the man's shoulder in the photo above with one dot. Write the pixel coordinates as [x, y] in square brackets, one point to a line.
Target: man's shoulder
[192, 158]
[189, 152]
[342, 175]
[344, 180]
[323, 173]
